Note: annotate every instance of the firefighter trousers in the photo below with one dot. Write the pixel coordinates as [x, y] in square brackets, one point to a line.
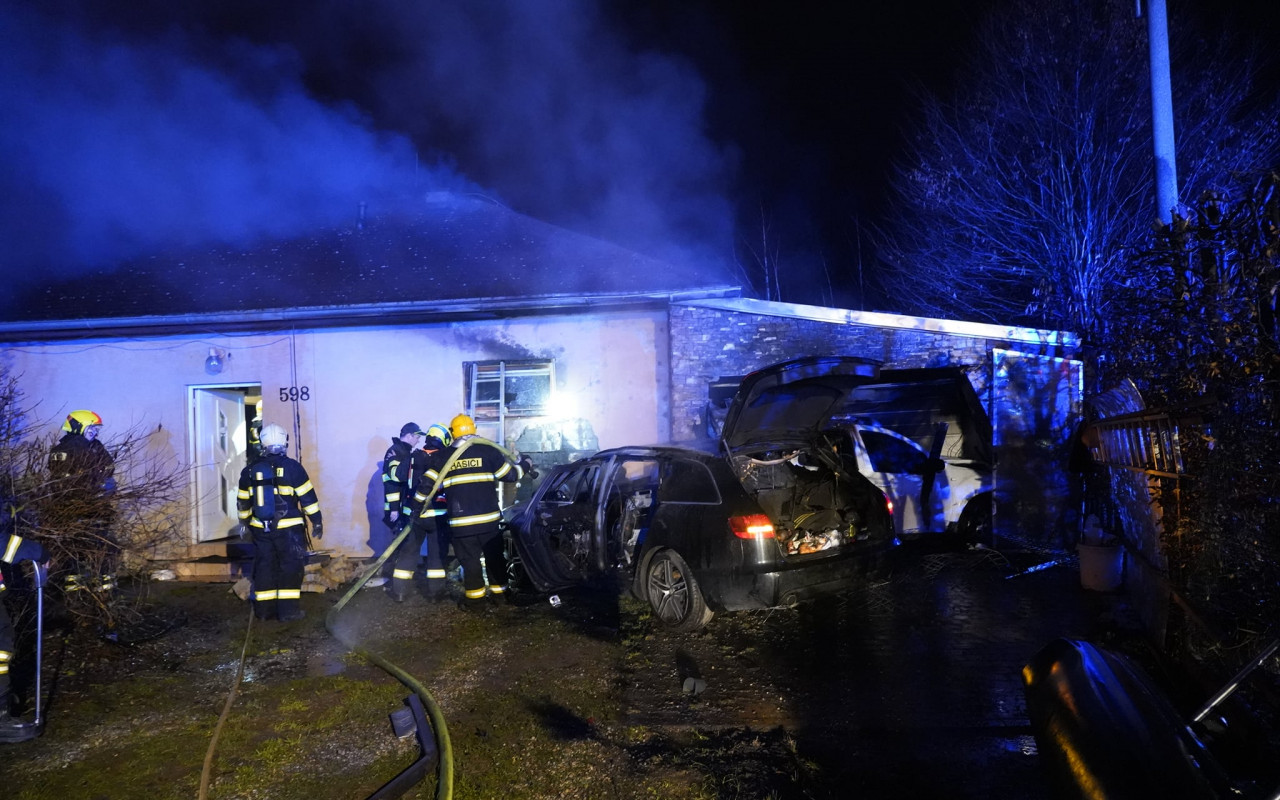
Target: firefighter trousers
[7, 644]
[405, 559]
[279, 559]
[470, 549]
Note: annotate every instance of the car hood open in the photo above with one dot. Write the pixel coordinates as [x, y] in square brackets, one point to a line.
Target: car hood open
[793, 401]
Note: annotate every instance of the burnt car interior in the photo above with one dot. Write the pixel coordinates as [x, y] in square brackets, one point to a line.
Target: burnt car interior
[632, 489]
[812, 505]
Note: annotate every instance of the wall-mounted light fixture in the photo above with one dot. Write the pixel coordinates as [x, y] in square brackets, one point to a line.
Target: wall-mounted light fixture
[216, 361]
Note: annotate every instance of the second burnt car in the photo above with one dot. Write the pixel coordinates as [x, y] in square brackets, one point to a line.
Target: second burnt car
[768, 515]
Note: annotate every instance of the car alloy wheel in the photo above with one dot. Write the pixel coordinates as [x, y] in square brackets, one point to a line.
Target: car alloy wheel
[674, 594]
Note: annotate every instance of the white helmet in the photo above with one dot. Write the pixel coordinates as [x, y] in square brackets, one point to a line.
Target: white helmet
[274, 437]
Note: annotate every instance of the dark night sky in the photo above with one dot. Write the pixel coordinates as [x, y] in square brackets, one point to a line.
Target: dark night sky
[669, 126]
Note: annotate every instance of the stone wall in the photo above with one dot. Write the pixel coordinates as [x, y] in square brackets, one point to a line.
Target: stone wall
[710, 343]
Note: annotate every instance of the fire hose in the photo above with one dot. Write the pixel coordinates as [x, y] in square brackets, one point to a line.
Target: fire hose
[444, 782]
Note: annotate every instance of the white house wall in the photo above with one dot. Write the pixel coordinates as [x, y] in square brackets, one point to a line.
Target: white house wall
[361, 385]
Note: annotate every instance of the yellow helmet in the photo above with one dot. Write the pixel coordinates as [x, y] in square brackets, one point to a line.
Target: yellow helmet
[462, 425]
[441, 434]
[77, 421]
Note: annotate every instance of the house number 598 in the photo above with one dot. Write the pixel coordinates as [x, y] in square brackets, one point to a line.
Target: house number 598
[291, 393]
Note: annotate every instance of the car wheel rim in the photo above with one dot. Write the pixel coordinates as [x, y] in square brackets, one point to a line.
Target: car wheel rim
[668, 591]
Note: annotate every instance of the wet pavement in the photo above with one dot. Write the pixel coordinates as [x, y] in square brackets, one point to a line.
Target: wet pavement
[912, 689]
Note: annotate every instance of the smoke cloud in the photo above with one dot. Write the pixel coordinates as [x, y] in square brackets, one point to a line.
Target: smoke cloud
[136, 126]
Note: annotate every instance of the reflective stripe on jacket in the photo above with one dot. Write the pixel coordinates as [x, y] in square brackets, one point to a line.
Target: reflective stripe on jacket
[471, 485]
[292, 485]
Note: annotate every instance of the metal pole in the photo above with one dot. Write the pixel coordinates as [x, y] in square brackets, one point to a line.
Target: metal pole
[1162, 111]
[41, 575]
[1234, 683]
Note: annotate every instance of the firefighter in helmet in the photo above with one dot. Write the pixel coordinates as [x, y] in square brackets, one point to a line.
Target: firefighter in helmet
[430, 522]
[13, 548]
[274, 495]
[402, 466]
[83, 478]
[471, 488]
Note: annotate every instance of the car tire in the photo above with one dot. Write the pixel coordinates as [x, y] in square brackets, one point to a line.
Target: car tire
[673, 592]
[977, 521]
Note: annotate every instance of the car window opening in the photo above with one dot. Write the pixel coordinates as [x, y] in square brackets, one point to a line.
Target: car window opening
[634, 484]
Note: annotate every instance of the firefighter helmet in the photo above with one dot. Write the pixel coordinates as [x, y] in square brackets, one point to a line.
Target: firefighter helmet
[462, 425]
[274, 437]
[441, 434]
[77, 421]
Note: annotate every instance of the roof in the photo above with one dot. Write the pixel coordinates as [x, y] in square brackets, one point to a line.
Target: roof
[450, 251]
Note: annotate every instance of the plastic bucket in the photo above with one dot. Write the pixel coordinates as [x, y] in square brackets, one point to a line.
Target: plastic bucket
[1101, 567]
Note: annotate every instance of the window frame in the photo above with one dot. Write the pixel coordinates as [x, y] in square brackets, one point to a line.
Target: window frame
[491, 415]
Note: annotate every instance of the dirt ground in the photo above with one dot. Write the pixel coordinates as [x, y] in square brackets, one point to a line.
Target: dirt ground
[590, 699]
[540, 702]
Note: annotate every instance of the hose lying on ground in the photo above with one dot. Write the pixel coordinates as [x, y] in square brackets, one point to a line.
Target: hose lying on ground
[207, 770]
[444, 782]
[444, 772]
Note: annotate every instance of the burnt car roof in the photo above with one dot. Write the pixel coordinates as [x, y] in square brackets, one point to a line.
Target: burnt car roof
[793, 400]
[698, 447]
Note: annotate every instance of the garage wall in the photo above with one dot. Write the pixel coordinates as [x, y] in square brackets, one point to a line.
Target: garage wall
[709, 342]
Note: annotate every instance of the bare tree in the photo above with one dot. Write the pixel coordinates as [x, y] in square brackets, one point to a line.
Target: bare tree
[91, 530]
[766, 257]
[1021, 198]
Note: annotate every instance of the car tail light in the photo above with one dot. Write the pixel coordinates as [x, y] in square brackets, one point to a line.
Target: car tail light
[752, 526]
[888, 504]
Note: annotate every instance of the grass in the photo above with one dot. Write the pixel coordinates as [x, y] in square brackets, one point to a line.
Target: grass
[533, 700]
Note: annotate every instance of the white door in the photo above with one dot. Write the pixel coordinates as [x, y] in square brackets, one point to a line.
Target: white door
[220, 444]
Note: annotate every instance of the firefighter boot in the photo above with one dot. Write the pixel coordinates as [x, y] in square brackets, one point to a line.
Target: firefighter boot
[400, 584]
[12, 730]
[437, 590]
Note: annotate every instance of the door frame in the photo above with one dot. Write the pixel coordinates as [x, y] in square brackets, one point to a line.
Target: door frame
[246, 388]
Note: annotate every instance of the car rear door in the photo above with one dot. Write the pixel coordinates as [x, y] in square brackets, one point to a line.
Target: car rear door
[897, 466]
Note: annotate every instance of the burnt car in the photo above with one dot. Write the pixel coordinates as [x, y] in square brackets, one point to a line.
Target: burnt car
[919, 434]
[769, 515]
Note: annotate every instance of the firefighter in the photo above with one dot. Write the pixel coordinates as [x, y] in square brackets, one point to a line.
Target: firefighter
[402, 466]
[83, 474]
[274, 494]
[13, 548]
[430, 521]
[471, 488]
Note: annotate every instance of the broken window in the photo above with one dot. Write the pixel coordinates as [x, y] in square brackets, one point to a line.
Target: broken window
[497, 390]
[890, 454]
[688, 482]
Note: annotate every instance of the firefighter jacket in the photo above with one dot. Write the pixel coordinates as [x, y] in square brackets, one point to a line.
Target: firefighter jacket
[402, 467]
[471, 485]
[75, 458]
[14, 548]
[292, 489]
[438, 506]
